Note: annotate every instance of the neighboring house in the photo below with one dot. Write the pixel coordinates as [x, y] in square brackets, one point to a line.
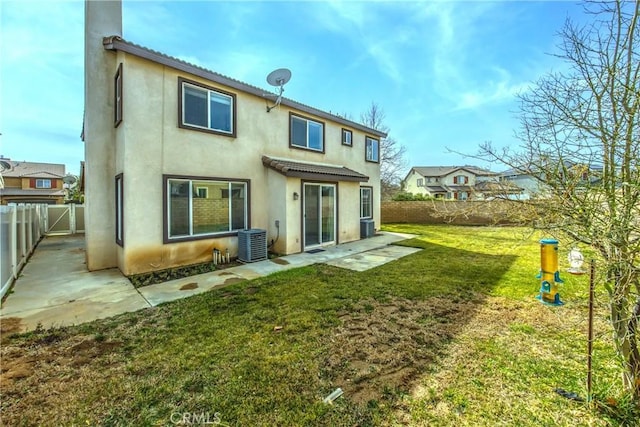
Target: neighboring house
[581, 175]
[31, 182]
[531, 187]
[453, 182]
[179, 159]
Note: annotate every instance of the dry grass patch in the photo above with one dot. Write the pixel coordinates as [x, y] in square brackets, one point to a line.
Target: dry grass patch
[384, 347]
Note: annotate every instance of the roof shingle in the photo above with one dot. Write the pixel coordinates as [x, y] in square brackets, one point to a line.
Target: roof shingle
[34, 170]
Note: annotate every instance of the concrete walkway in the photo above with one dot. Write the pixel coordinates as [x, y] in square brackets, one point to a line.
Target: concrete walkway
[55, 288]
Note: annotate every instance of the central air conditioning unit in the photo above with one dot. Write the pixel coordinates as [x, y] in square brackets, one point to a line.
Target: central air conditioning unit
[367, 228]
[252, 245]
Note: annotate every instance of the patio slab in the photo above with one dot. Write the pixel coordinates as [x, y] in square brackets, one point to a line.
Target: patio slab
[374, 258]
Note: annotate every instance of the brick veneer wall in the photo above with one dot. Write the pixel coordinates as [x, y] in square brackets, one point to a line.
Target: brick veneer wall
[452, 212]
[205, 211]
[210, 211]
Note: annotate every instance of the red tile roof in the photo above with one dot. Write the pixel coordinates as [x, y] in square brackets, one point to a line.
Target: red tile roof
[313, 170]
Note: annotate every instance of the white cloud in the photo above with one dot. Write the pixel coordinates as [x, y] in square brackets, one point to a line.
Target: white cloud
[493, 92]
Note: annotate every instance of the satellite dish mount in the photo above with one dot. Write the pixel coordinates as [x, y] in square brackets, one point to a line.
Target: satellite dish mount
[278, 78]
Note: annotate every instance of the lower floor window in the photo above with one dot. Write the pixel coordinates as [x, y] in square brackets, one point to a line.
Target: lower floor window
[200, 207]
[366, 202]
[119, 210]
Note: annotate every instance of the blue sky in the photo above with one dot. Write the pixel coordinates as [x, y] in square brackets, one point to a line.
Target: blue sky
[444, 72]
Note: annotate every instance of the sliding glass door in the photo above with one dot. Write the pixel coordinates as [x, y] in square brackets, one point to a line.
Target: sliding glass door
[319, 214]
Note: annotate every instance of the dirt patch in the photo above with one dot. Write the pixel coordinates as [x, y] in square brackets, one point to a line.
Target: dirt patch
[232, 280]
[20, 364]
[280, 261]
[384, 347]
[10, 326]
[189, 286]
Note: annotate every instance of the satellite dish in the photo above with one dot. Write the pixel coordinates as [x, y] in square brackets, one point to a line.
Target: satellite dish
[5, 166]
[278, 78]
[69, 179]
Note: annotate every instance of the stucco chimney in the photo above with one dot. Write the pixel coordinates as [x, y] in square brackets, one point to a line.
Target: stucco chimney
[102, 18]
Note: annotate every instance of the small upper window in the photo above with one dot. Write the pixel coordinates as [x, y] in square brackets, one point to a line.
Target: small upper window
[372, 149]
[43, 183]
[208, 109]
[420, 182]
[306, 133]
[347, 137]
[118, 102]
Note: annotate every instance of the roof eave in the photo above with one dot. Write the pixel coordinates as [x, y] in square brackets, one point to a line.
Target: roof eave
[116, 43]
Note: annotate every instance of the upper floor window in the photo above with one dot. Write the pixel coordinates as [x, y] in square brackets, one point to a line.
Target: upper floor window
[117, 93]
[372, 149]
[420, 182]
[347, 137]
[306, 133]
[460, 179]
[43, 183]
[205, 108]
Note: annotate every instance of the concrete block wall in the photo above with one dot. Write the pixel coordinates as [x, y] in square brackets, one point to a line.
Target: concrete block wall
[452, 212]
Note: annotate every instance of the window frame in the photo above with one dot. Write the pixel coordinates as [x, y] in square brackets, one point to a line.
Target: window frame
[119, 206]
[307, 119]
[206, 192]
[46, 183]
[370, 190]
[166, 218]
[346, 132]
[181, 120]
[118, 101]
[456, 179]
[420, 182]
[367, 140]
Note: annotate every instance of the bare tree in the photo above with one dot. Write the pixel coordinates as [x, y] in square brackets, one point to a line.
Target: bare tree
[392, 161]
[580, 134]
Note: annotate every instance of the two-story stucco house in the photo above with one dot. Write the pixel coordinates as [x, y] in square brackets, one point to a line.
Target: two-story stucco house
[450, 182]
[32, 182]
[179, 159]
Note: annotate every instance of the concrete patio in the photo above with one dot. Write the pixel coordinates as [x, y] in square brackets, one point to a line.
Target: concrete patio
[55, 288]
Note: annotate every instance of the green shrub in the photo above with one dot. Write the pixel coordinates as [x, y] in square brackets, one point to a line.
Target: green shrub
[410, 197]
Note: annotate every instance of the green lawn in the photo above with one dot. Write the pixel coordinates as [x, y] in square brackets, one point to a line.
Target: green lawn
[451, 335]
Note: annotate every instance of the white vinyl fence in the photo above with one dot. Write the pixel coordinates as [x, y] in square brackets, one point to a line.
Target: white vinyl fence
[22, 227]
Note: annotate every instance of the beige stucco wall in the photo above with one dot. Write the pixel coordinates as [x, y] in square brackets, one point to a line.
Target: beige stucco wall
[411, 183]
[149, 144]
